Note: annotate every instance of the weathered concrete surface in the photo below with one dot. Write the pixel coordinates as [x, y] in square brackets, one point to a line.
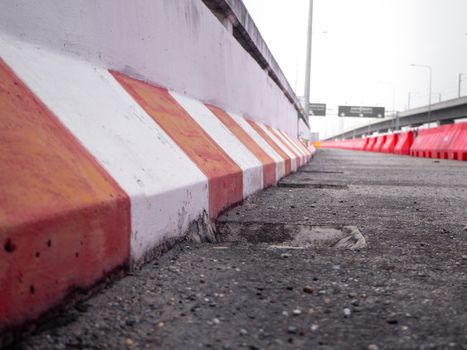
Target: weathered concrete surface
[406, 290]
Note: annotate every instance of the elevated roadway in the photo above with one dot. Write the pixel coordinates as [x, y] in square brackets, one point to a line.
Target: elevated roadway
[443, 113]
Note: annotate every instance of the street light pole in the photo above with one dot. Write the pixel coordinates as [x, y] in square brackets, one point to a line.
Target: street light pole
[308, 61]
[429, 89]
[461, 75]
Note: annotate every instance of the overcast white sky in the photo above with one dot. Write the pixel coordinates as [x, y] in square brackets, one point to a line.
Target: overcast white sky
[362, 49]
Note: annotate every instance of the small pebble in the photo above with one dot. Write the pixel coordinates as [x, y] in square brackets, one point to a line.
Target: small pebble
[297, 312]
[311, 311]
[314, 327]
[327, 300]
[292, 330]
[243, 331]
[129, 342]
[216, 321]
[285, 255]
[308, 289]
[373, 347]
[347, 312]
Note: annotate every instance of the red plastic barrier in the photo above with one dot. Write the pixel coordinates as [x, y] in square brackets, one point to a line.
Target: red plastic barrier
[458, 147]
[363, 144]
[426, 141]
[359, 144]
[390, 144]
[446, 141]
[370, 144]
[404, 143]
[344, 144]
[441, 141]
[380, 140]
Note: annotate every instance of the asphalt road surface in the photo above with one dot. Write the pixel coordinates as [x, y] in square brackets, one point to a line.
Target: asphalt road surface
[406, 290]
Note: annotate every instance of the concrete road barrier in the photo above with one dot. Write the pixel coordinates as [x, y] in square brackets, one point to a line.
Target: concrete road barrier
[99, 170]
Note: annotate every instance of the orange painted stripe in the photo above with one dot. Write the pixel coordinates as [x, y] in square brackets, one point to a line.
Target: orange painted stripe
[269, 166]
[225, 177]
[64, 222]
[302, 147]
[297, 156]
[296, 143]
[275, 147]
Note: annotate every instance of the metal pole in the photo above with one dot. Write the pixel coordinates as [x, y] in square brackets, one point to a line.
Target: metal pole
[408, 102]
[308, 60]
[461, 78]
[429, 89]
[429, 100]
[459, 87]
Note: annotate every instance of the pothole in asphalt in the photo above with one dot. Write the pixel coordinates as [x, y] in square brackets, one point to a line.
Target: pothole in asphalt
[292, 236]
[313, 185]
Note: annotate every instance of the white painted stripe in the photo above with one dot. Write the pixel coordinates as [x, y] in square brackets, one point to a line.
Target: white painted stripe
[166, 189]
[280, 163]
[291, 145]
[252, 168]
[299, 145]
[303, 147]
[281, 145]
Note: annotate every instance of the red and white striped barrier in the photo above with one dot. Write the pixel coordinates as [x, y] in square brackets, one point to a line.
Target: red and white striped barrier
[98, 169]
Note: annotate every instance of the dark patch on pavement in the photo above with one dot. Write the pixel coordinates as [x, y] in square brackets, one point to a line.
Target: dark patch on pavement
[311, 185]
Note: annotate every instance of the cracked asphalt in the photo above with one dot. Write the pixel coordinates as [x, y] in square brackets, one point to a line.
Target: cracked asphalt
[406, 290]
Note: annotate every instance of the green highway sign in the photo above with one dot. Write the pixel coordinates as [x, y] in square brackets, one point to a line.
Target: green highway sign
[361, 111]
[317, 109]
